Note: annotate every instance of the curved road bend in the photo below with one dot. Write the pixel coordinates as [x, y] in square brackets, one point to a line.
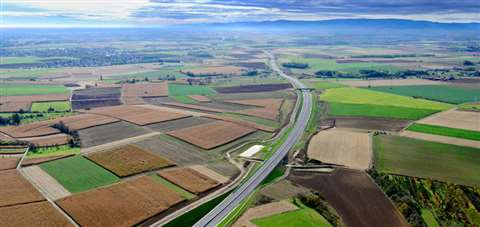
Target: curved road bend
[215, 216]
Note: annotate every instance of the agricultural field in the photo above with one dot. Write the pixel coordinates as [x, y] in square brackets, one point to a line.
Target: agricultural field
[50, 140]
[389, 82]
[9, 162]
[78, 174]
[124, 204]
[362, 102]
[262, 211]
[441, 93]
[302, 217]
[129, 160]
[45, 183]
[252, 88]
[32, 214]
[18, 189]
[31, 89]
[470, 106]
[341, 147]
[211, 135]
[466, 120]
[179, 124]
[41, 107]
[323, 85]
[182, 192]
[52, 151]
[96, 97]
[348, 191]
[181, 92]
[189, 180]
[370, 123]
[109, 133]
[445, 131]
[419, 158]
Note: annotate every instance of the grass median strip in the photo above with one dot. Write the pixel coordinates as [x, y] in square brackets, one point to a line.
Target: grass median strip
[445, 131]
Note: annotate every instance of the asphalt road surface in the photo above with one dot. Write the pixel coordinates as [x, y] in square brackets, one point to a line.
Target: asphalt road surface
[215, 216]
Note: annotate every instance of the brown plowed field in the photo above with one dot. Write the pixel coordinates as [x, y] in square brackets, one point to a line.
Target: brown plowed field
[194, 107]
[123, 204]
[15, 106]
[341, 147]
[83, 121]
[4, 137]
[264, 113]
[145, 90]
[7, 162]
[190, 180]
[210, 173]
[468, 120]
[200, 98]
[14, 189]
[30, 130]
[40, 214]
[138, 115]
[268, 108]
[208, 136]
[243, 122]
[37, 98]
[104, 134]
[355, 197]
[253, 88]
[133, 100]
[51, 140]
[35, 161]
[179, 124]
[370, 123]
[129, 160]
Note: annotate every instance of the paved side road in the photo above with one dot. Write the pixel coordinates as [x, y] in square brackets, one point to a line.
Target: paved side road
[215, 216]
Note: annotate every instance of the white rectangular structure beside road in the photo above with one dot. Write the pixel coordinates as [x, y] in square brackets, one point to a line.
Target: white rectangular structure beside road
[251, 151]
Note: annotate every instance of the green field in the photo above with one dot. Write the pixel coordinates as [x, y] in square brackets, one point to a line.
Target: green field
[317, 64]
[30, 89]
[60, 106]
[53, 151]
[470, 106]
[322, 85]
[168, 184]
[445, 131]
[304, 217]
[164, 73]
[27, 73]
[368, 110]
[180, 92]
[78, 174]
[412, 157]
[455, 95]
[364, 96]
[429, 219]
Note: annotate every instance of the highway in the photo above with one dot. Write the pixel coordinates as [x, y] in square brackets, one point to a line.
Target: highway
[216, 215]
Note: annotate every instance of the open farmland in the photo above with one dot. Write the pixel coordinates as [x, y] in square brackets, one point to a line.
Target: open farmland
[45, 183]
[263, 210]
[474, 106]
[455, 119]
[84, 121]
[182, 92]
[389, 82]
[179, 124]
[377, 111]
[370, 123]
[200, 98]
[37, 160]
[253, 88]
[212, 135]
[31, 89]
[108, 133]
[190, 180]
[96, 97]
[16, 190]
[445, 131]
[341, 147]
[304, 217]
[8, 162]
[214, 70]
[448, 94]
[129, 160]
[419, 158]
[52, 151]
[138, 115]
[145, 90]
[32, 214]
[30, 130]
[265, 108]
[124, 204]
[60, 106]
[78, 174]
[51, 140]
[349, 191]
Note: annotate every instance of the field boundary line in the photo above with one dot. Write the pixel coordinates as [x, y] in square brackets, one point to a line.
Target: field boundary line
[19, 164]
[118, 143]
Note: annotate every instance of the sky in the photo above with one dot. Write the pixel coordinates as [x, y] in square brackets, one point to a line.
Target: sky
[134, 13]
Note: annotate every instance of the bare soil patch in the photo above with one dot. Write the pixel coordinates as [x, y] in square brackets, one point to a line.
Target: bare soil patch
[264, 210]
[138, 115]
[190, 180]
[16, 190]
[369, 123]
[194, 107]
[208, 136]
[8, 162]
[355, 197]
[124, 204]
[200, 98]
[145, 90]
[179, 124]
[283, 189]
[83, 121]
[41, 214]
[243, 122]
[341, 147]
[267, 108]
[129, 160]
[47, 184]
[30, 130]
[15, 106]
[210, 173]
[51, 140]
[36, 98]
[468, 120]
[253, 88]
[393, 82]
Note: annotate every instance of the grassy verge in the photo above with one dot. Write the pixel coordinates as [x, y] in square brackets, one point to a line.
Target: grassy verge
[168, 184]
[53, 151]
[445, 131]
[61, 106]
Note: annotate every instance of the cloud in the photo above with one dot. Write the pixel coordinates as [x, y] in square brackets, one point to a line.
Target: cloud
[195, 11]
